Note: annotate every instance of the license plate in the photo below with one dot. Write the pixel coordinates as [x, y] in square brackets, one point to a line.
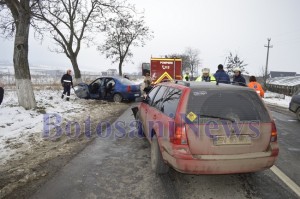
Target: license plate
[136, 95]
[232, 140]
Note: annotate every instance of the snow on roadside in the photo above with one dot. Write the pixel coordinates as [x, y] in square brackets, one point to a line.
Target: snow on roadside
[17, 125]
[277, 99]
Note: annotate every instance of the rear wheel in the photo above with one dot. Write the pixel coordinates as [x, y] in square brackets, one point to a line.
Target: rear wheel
[298, 113]
[117, 97]
[157, 162]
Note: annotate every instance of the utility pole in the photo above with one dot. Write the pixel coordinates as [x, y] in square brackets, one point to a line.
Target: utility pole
[267, 46]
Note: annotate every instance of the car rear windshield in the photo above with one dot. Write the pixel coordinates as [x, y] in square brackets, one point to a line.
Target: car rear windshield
[230, 105]
[126, 81]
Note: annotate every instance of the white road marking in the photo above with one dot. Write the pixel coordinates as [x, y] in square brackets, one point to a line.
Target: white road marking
[290, 183]
[292, 120]
[294, 149]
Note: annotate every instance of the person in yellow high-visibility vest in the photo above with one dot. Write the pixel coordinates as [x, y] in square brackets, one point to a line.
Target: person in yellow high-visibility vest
[186, 77]
[206, 76]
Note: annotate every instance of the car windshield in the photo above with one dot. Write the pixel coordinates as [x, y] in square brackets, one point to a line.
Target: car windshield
[228, 105]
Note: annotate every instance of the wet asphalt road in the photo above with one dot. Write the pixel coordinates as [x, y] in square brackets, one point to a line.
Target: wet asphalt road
[120, 168]
[288, 128]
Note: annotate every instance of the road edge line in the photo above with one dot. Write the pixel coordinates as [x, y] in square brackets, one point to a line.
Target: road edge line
[289, 182]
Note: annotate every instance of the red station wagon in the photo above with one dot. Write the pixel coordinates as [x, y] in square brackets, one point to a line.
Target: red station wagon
[207, 128]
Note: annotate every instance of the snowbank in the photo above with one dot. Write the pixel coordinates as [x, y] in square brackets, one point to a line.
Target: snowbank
[17, 124]
[277, 99]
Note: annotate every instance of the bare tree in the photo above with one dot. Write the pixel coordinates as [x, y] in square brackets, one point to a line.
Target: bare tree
[72, 23]
[184, 58]
[122, 33]
[15, 20]
[193, 59]
[235, 61]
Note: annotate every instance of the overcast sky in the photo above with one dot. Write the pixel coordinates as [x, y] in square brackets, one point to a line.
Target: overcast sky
[214, 27]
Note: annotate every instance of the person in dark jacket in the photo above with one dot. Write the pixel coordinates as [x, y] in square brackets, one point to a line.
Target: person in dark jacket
[221, 76]
[67, 82]
[1, 93]
[238, 79]
[148, 88]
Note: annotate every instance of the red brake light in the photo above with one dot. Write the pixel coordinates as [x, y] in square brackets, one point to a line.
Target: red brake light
[274, 132]
[128, 88]
[179, 135]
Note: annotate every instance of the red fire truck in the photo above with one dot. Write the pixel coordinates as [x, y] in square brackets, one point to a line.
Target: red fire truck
[163, 69]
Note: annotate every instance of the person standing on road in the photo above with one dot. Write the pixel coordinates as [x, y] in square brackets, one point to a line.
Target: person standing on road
[255, 85]
[67, 82]
[186, 77]
[206, 76]
[238, 78]
[147, 80]
[1, 92]
[221, 76]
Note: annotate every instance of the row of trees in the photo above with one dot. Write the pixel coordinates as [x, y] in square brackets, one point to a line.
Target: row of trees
[71, 24]
[191, 61]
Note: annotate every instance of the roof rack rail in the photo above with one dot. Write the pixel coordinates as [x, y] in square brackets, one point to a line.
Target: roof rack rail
[166, 80]
[182, 83]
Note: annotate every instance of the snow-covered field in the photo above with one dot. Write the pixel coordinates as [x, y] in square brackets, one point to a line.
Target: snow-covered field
[17, 125]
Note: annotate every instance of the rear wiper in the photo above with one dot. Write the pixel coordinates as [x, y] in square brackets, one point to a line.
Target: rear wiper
[221, 118]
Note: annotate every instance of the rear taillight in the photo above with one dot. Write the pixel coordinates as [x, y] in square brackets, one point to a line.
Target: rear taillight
[179, 136]
[128, 88]
[274, 132]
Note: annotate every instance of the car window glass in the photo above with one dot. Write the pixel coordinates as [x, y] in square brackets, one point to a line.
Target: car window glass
[170, 102]
[94, 87]
[110, 81]
[233, 105]
[159, 97]
[152, 94]
[97, 81]
[126, 81]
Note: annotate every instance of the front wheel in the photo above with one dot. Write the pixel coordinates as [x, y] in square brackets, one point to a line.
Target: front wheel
[157, 162]
[140, 127]
[298, 114]
[117, 97]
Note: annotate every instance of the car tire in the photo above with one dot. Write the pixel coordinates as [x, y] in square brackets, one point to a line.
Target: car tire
[117, 97]
[298, 114]
[157, 162]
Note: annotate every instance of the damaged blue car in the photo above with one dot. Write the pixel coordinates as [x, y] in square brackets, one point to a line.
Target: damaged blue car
[116, 89]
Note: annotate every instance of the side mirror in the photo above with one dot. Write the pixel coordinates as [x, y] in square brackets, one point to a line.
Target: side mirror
[134, 111]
